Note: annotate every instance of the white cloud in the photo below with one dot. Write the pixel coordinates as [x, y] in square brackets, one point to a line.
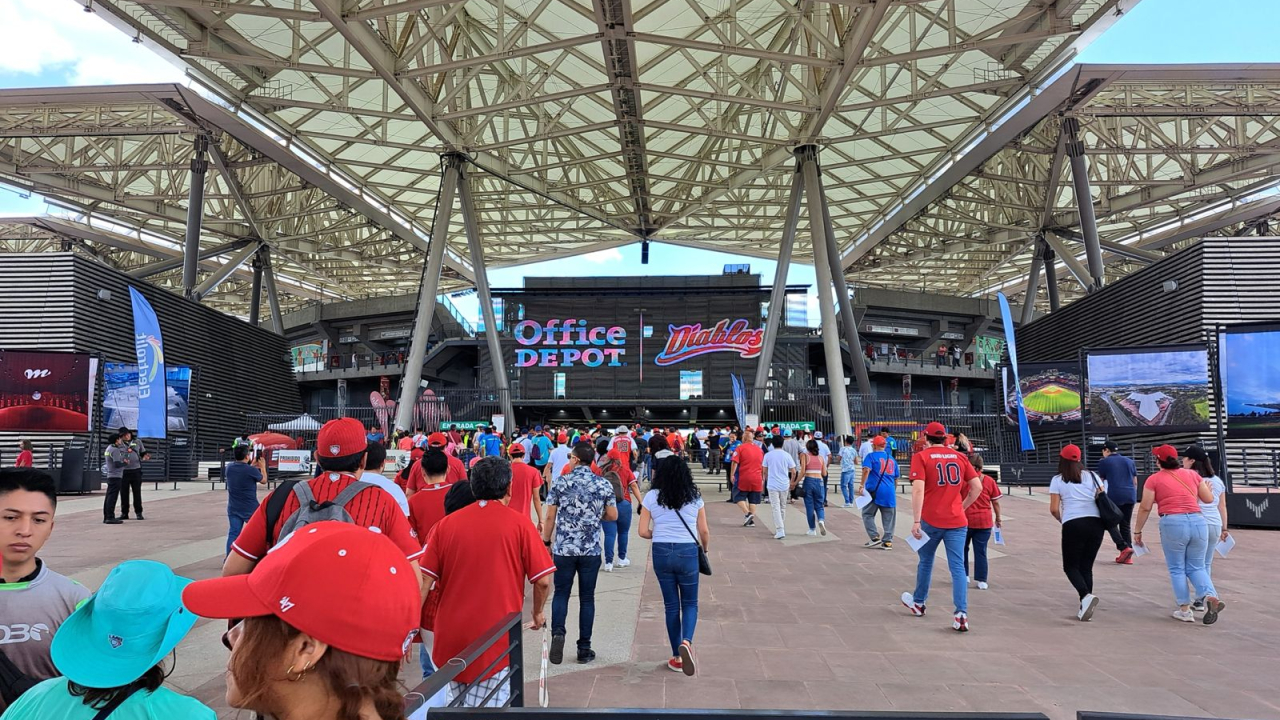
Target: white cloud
[58, 37]
[604, 257]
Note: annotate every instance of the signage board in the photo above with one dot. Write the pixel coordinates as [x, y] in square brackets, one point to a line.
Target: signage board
[893, 330]
[806, 425]
[394, 333]
[293, 461]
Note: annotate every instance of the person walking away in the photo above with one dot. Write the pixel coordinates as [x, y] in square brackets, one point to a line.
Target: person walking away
[576, 505]
[558, 460]
[815, 479]
[542, 447]
[33, 594]
[1215, 511]
[1120, 476]
[140, 603]
[25, 457]
[426, 508]
[938, 478]
[525, 481]
[131, 480]
[981, 522]
[116, 458]
[748, 467]
[375, 464]
[866, 448]
[1073, 501]
[1184, 533]
[783, 474]
[616, 532]
[849, 462]
[243, 479]
[880, 481]
[671, 514]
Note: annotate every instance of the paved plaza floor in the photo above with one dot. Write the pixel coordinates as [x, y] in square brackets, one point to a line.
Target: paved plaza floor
[815, 623]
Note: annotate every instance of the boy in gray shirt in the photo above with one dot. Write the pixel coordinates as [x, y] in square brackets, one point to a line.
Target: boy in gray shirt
[117, 459]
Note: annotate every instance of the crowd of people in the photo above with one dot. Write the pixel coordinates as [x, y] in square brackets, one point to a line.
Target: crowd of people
[329, 581]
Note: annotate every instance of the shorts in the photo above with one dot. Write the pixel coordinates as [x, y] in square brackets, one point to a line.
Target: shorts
[752, 497]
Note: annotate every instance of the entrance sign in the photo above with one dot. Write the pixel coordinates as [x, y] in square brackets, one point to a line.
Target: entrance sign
[688, 341]
[583, 345]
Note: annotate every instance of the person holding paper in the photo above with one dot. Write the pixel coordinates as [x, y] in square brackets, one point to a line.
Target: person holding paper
[938, 500]
[1073, 501]
[782, 476]
[1184, 534]
[879, 483]
[981, 524]
[1214, 511]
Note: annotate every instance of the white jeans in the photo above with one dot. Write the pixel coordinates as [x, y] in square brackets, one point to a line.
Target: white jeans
[778, 501]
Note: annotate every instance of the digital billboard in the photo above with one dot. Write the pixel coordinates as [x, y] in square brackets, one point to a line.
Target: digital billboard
[1157, 389]
[1051, 394]
[1249, 364]
[45, 391]
[120, 396]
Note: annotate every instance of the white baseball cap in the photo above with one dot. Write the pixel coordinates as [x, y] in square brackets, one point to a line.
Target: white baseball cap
[818, 434]
[622, 429]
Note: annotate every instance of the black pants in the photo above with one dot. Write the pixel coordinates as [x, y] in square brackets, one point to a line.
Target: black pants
[113, 492]
[1122, 535]
[1081, 539]
[132, 481]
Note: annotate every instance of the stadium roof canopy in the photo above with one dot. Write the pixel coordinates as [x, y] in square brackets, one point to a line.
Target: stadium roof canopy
[594, 124]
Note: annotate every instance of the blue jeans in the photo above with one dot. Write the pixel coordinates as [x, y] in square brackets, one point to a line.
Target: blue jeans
[620, 530]
[846, 486]
[978, 539]
[814, 494]
[424, 659]
[953, 539]
[676, 567]
[235, 524]
[587, 569]
[1184, 539]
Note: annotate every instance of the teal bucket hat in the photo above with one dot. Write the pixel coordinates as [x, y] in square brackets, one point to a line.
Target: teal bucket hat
[132, 623]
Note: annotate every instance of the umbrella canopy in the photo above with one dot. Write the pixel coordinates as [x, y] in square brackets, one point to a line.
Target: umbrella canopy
[303, 422]
[273, 441]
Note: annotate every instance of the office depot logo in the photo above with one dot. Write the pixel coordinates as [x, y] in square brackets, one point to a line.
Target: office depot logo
[569, 343]
[687, 341]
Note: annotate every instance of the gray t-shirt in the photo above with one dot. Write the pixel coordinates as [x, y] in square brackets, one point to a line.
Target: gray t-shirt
[30, 613]
[117, 458]
[133, 461]
[792, 447]
[1078, 499]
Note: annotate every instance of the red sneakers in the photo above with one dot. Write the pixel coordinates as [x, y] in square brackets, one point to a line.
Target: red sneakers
[1125, 557]
[675, 665]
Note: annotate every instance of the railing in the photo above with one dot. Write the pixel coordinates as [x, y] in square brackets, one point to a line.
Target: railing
[713, 714]
[456, 314]
[511, 627]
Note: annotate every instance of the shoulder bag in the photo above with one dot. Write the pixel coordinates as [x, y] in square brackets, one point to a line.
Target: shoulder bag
[704, 564]
[1108, 511]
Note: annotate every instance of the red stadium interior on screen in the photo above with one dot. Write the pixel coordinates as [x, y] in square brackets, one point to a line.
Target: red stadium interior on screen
[45, 391]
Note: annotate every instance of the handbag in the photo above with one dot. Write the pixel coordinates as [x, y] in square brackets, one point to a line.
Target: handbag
[704, 564]
[1108, 511]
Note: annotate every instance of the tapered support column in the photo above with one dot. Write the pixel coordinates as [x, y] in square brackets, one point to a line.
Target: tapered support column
[273, 296]
[195, 215]
[472, 225]
[826, 301]
[1084, 202]
[1050, 274]
[430, 287]
[843, 302]
[1033, 286]
[255, 292]
[778, 297]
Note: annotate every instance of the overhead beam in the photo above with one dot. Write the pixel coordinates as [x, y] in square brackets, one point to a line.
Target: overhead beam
[1068, 258]
[218, 276]
[174, 263]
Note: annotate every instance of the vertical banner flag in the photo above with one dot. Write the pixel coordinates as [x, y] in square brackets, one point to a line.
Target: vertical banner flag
[1006, 317]
[739, 399]
[152, 422]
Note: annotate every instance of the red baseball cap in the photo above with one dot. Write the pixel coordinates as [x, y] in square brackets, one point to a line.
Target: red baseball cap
[1165, 452]
[1070, 452]
[878, 441]
[437, 439]
[342, 584]
[562, 438]
[515, 449]
[340, 438]
[935, 429]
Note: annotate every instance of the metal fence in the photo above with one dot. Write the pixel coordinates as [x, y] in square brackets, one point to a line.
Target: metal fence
[510, 627]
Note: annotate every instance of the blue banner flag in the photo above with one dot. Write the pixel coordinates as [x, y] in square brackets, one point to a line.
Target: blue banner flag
[1024, 429]
[739, 399]
[149, 346]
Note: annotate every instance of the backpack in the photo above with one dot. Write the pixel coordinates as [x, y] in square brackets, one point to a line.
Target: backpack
[535, 453]
[309, 511]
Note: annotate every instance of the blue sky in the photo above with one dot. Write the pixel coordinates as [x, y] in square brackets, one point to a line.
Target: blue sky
[55, 43]
[1160, 368]
[1251, 369]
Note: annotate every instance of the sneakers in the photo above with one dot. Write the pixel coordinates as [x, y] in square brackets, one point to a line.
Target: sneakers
[822, 527]
[1198, 606]
[813, 533]
[960, 622]
[779, 535]
[687, 662]
[608, 567]
[1184, 616]
[876, 542]
[556, 656]
[675, 664]
[586, 656]
[982, 585]
[1087, 605]
[915, 608]
[623, 562]
[113, 521]
[749, 520]
[845, 505]
[140, 517]
[888, 545]
[1125, 557]
[1213, 606]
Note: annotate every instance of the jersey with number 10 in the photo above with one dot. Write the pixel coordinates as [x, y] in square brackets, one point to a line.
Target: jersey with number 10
[946, 474]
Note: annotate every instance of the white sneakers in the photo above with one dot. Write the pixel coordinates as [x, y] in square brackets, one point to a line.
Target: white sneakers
[1087, 605]
[812, 533]
[608, 567]
[1184, 615]
[780, 534]
[910, 602]
[822, 526]
[624, 562]
[982, 585]
[960, 622]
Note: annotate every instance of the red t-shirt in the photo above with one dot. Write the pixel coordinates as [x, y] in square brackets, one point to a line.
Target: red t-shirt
[946, 474]
[406, 443]
[457, 471]
[24, 459]
[750, 459]
[426, 508]
[525, 480]
[483, 554]
[1175, 491]
[979, 514]
[369, 508]
[417, 479]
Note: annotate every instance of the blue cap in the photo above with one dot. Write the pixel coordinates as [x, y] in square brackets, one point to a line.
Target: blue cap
[132, 623]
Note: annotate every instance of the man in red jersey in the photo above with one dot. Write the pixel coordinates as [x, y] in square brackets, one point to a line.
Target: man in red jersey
[525, 481]
[943, 486]
[748, 463]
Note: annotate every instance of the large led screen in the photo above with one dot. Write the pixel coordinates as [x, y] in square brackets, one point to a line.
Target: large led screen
[120, 396]
[1051, 394]
[45, 391]
[1249, 359]
[1159, 389]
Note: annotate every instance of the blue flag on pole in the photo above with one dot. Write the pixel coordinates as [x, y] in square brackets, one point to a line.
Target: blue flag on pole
[149, 346]
[1024, 429]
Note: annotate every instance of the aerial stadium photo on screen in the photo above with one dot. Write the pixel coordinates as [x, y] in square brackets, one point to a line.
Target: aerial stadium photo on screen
[1250, 359]
[1050, 393]
[1162, 389]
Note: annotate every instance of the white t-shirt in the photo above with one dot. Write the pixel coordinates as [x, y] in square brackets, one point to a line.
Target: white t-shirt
[559, 458]
[667, 527]
[864, 450]
[778, 464]
[390, 486]
[1210, 509]
[824, 452]
[1078, 499]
